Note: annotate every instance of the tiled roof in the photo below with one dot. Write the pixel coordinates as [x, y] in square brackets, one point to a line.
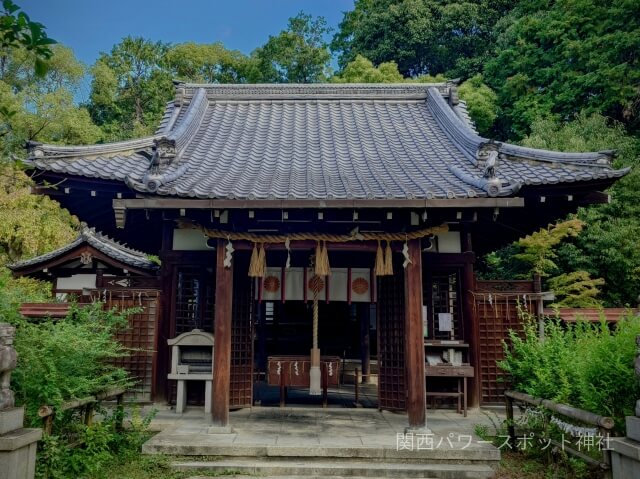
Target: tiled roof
[102, 243]
[321, 141]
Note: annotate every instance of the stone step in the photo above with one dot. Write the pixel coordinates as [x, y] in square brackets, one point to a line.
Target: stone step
[339, 468]
[476, 454]
[243, 476]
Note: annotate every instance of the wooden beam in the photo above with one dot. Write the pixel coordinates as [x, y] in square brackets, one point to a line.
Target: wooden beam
[222, 334]
[414, 340]
[188, 203]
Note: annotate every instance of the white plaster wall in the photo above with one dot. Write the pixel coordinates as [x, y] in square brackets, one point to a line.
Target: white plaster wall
[189, 240]
[449, 242]
[77, 281]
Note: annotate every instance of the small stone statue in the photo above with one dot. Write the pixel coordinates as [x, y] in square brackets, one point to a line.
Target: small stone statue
[637, 368]
[8, 362]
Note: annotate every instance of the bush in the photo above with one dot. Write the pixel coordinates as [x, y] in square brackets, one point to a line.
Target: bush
[67, 359]
[588, 366]
[79, 450]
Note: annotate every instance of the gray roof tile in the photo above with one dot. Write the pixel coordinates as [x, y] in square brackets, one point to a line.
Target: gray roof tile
[102, 243]
[319, 142]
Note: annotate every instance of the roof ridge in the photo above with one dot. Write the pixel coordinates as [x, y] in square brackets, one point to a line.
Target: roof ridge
[471, 143]
[44, 150]
[182, 133]
[303, 91]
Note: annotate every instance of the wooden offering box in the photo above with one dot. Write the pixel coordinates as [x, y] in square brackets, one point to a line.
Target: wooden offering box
[293, 371]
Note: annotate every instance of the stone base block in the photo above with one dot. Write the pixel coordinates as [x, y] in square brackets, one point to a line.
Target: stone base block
[11, 419]
[18, 454]
[625, 458]
[417, 431]
[219, 430]
[633, 428]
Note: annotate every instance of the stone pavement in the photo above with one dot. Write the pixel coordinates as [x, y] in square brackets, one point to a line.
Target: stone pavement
[256, 430]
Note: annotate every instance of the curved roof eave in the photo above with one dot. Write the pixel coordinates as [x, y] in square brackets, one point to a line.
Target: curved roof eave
[100, 242]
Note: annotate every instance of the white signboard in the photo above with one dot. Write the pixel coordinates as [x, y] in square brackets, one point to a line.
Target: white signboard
[444, 321]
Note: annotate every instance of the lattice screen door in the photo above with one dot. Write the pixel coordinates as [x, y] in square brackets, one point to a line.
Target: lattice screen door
[241, 387]
[391, 380]
[138, 337]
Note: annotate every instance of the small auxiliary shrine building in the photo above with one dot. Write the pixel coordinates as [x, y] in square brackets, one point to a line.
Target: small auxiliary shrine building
[319, 223]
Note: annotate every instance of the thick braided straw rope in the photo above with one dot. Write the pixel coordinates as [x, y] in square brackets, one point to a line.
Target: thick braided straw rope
[331, 238]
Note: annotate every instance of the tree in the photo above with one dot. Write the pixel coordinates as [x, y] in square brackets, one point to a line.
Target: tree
[422, 36]
[130, 88]
[481, 103]
[565, 56]
[42, 107]
[362, 70]
[576, 290]
[19, 32]
[210, 63]
[298, 54]
[30, 224]
[607, 247]
[538, 248]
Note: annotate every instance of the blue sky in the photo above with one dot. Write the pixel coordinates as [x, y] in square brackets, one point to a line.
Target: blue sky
[92, 26]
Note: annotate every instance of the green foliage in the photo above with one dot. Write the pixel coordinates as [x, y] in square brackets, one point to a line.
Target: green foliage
[566, 56]
[15, 291]
[19, 32]
[546, 368]
[130, 88]
[481, 103]
[29, 224]
[362, 70]
[209, 63]
[588, 366]
[71, 358]
[298, 54]
[576, 290]
[42, 108]
[422, 36]
[607, 247]
[538, 248]
[77, 450]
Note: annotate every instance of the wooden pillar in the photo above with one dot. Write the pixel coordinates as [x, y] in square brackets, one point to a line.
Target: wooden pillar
[261, 321]
[414, 340]
[471, 326]
[222, 345]
[363, 311]
[163, 331]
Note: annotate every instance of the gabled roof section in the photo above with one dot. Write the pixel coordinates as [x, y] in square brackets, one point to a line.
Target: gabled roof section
[323, 142]
[100, 242]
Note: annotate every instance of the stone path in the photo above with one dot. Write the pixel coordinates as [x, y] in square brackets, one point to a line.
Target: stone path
[312, 427]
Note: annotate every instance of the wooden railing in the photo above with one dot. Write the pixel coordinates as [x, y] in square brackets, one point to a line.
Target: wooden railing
[603, 424]
[47, 413]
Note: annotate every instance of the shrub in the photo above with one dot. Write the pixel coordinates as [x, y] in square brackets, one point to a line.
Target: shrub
[588, 366]
[66, 359]
[79, 450]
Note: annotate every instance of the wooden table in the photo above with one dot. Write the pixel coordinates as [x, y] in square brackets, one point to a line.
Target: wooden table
[461, 372]
[293, 371]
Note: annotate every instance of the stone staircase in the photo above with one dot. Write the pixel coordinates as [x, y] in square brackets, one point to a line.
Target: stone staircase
[336, 469]
[342, 443]
[287, 462]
